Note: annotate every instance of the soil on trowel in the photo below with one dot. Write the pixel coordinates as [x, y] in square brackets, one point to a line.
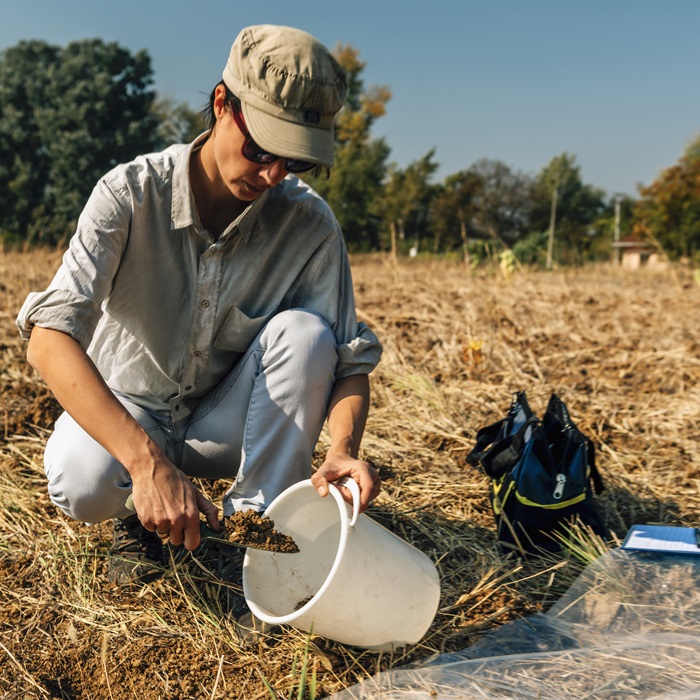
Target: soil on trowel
[251, 529]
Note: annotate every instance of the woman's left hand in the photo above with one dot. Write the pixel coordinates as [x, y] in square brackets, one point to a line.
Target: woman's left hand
[338, 466]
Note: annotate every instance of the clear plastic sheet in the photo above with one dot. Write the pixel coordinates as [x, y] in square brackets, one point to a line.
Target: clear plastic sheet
[629, 627]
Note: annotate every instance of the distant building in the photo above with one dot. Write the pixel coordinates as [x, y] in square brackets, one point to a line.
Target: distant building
[633, 253]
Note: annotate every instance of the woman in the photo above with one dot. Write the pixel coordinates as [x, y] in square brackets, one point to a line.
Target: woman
[202, 322]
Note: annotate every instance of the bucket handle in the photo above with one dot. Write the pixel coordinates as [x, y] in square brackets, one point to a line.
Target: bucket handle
[354, 489]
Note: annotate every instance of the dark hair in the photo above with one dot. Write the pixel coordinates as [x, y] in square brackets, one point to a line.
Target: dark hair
[232, 102]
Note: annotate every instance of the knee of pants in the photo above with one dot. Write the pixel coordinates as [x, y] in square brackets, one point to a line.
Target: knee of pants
[88, 485]
[84, 480]
[307, 337]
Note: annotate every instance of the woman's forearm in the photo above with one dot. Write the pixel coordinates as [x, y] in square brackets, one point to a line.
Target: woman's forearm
[80, 389]
[347, 414]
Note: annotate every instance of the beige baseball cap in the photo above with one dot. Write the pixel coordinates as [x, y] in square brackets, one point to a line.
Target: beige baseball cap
[290, 89]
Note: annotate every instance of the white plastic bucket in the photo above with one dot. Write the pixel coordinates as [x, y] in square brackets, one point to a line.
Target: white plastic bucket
[352, 581]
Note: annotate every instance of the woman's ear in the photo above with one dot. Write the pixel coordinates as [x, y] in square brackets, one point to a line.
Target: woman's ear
[219, 101]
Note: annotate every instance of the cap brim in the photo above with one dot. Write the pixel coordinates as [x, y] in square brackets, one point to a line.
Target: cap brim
[289, 139]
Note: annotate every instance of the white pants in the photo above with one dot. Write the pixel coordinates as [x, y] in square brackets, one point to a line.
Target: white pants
[259, 427]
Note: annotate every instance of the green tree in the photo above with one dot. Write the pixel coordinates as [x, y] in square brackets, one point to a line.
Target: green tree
[501, 203]
[92, 110]
[354, 187]
[559, 189]
[24, 160]
[452, 212]
[668, 211]
[406, 201]
[615, 220]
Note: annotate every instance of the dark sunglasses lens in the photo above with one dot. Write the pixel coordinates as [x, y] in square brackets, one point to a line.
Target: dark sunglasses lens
[298, 166]
[254, 153]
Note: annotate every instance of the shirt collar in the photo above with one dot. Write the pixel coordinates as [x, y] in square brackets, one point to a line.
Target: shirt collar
[184, 211]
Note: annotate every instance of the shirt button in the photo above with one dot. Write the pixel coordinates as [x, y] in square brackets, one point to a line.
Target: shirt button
[177, 408]
[205, 303]
[196, 353]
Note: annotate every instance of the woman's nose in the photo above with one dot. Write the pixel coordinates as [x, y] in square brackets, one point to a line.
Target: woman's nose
[274, 172]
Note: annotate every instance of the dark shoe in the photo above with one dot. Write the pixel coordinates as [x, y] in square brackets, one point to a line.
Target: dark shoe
[136, 554]
[230, 564]
[220, 557]
[222, 562]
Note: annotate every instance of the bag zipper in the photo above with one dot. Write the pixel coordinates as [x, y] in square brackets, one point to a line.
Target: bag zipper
[559, 486]
[561, 478]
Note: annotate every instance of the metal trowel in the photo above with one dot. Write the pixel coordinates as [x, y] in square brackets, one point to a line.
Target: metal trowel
[210, 535]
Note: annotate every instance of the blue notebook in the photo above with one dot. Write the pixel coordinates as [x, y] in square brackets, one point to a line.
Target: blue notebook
[663, 538]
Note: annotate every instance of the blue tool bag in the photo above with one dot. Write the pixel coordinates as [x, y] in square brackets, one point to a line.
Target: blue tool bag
[543, 475]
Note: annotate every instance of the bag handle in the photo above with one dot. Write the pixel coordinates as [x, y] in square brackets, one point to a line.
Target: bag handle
[497, 447]
[484, 437]
[504, 454]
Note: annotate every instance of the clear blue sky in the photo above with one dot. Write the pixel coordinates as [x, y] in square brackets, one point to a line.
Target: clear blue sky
[614, 82]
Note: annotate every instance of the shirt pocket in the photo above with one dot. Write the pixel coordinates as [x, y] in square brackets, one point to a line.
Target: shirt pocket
[239, 330]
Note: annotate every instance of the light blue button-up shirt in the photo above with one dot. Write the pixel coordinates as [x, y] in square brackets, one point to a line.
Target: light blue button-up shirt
[165, 310]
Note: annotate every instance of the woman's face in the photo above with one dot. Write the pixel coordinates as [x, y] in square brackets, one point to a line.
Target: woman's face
[242, 178]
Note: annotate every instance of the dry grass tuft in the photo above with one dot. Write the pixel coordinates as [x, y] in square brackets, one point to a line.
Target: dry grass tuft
[622, 349]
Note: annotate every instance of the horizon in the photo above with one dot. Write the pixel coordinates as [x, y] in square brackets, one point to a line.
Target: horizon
[612, 84]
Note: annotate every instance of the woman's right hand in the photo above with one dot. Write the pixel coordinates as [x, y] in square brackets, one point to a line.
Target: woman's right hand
[168, 502]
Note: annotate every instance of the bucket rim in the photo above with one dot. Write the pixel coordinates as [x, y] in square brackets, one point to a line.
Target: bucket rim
[291, 617]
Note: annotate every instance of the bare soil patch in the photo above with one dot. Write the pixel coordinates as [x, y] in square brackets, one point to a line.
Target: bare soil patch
[622, 349]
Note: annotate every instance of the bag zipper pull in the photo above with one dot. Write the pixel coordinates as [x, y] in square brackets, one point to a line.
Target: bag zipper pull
[559, 488]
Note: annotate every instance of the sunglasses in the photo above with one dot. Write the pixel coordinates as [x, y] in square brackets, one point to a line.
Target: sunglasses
[252, 152]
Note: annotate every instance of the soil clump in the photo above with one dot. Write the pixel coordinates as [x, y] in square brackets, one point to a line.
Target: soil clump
[248, 528]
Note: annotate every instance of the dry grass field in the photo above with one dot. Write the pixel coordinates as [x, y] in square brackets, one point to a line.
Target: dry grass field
[622, 349]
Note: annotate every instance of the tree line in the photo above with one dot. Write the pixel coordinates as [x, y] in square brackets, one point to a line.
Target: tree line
[68, 114]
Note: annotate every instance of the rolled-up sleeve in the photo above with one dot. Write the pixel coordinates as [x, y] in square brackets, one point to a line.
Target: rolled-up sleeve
[330, 293]
[62, 310]
[72, 303]
[359, 356]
